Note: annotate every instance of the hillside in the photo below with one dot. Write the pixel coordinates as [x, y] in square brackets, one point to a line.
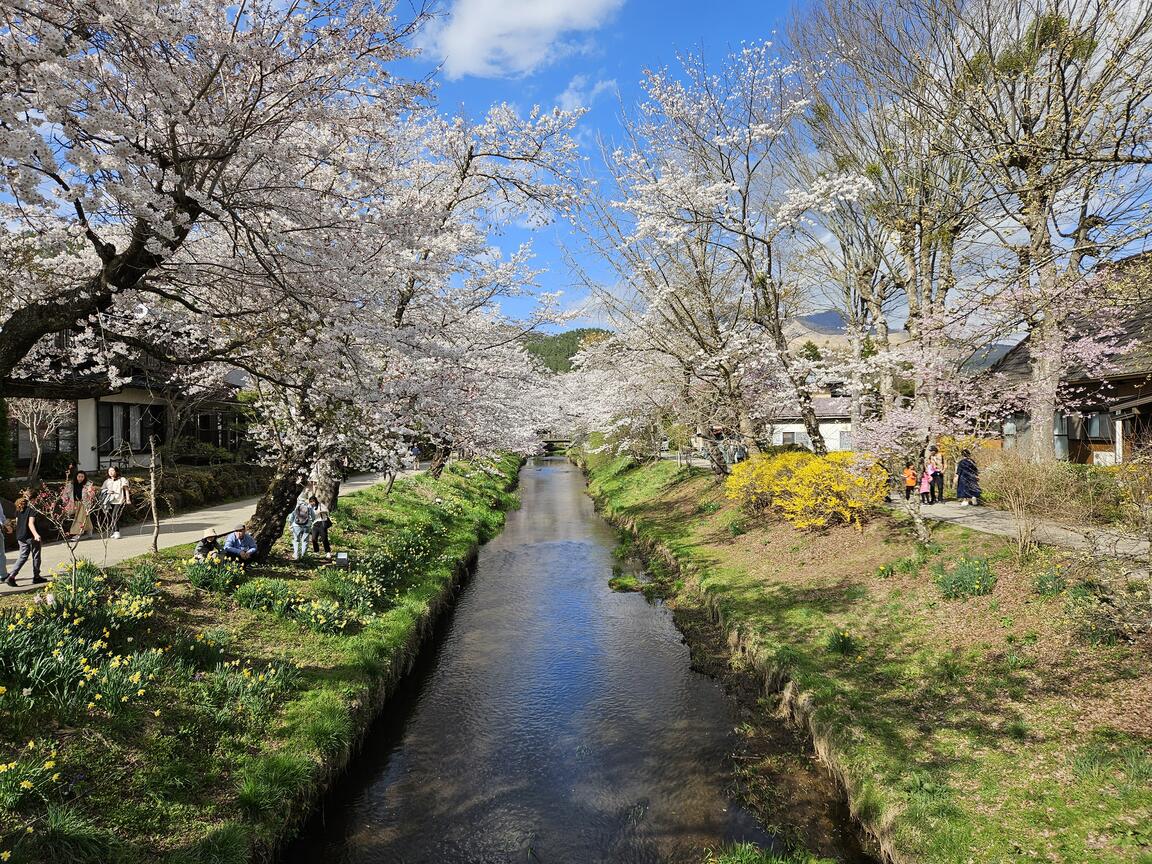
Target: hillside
[556, 350]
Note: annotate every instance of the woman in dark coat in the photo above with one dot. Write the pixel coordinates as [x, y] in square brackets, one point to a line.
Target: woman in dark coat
[967, 480]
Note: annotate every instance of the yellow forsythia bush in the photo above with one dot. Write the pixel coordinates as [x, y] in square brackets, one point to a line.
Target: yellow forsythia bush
[754, 481]
[808, 491]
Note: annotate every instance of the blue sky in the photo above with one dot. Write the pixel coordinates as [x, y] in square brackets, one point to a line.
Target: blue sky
[576, 52]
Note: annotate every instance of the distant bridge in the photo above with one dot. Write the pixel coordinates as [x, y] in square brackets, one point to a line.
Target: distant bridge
[556, 444]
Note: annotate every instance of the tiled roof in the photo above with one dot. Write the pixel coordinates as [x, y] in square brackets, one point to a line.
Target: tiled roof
[826, 407]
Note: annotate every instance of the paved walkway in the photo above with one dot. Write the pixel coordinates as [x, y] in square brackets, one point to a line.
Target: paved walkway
[991, 521]
[175, 530]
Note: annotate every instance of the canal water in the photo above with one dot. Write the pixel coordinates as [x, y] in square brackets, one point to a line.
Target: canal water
[555, 721]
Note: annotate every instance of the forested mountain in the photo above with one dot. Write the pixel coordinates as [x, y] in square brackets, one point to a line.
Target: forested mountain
[556, 350]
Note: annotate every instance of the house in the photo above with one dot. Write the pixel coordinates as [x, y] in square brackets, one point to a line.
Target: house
[114, 425]
[1107, 416]
[834, 415]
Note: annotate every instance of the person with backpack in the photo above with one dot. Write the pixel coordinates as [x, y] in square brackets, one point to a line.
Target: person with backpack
[28, 538]
[300, 521]
[320, 527]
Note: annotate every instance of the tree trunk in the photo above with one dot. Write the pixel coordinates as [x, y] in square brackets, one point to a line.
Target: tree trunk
[37, 455]
[391, 475]
[1044, 391]
[716, 458]
[439, 461]
[267, 526]
[329, 475]
[152, 489]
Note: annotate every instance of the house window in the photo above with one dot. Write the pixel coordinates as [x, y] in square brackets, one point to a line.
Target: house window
[845, 440]
[787, 437]
[1098, 426]
[1060, 434]
[119, 426]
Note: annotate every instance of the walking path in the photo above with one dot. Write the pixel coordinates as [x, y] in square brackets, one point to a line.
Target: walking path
[1001, 522]
[175, 530]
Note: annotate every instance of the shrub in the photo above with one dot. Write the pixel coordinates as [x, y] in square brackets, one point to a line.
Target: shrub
[214, 574]
[837, 488]
[969, 577]
[1030, 491]
[1112, 606]
[755, 481]
[809, 491]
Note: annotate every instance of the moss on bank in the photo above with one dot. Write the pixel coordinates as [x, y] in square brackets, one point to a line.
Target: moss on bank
[978, 729]
[143, 719]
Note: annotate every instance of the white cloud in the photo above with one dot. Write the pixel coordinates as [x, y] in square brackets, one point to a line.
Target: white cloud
[494, 38]
[580, 94]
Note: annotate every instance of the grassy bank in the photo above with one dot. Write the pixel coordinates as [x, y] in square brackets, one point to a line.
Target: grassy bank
[962, 696]
[162, 711]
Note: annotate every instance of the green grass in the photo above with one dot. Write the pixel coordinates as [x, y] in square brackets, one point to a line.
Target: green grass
[746, 853]
[624, 582]
[247, 694]
[958, 723]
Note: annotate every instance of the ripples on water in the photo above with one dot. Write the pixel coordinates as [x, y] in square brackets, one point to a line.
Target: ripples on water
[555, 722]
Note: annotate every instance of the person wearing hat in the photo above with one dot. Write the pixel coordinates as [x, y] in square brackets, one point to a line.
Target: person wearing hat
[207, 547]
[240, 546]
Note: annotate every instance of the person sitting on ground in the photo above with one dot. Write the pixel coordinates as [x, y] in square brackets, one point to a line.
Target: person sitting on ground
[967, 480]
[300, 520]
[909, 481]
[28, 539]
[240, 546]
[207, 547]
[320, 527]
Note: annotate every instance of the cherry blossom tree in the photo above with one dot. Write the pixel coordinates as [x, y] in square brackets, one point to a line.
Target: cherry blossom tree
[192, 162]
[41, 419]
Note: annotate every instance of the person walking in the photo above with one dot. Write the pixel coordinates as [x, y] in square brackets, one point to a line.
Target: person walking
[301, 520]
[936, 466]
[117, 495]
[967, 480]
[910, 481]
[320, 527]
[79, 497]
[28, 539]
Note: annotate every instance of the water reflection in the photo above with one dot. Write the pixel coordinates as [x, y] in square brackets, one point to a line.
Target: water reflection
[557, 721]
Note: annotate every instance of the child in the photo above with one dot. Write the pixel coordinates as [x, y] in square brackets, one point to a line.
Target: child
[909, 481]
[926, 485]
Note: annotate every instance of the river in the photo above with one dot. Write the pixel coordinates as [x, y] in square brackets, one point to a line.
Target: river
[554, 720]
